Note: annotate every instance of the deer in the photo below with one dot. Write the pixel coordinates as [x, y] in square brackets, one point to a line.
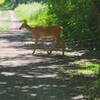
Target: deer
[45, 31]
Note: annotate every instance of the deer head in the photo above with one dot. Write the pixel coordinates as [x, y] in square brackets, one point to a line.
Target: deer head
[24, 24]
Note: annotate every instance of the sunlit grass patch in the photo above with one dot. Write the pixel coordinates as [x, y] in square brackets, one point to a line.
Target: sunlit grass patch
[2, 1]
[35, 13]
[93, 91]
[89, 68]
[26, 11]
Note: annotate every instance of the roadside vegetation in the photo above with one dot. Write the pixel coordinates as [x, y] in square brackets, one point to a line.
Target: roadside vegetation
[36, 14]
[2, 1]
[92, 69]
[89, 68]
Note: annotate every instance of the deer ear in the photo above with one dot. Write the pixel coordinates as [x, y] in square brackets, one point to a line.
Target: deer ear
[25, 21]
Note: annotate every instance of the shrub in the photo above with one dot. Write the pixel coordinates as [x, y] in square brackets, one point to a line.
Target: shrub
[35, 14]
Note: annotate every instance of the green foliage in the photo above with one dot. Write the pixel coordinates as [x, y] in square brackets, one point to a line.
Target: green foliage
[89, 68]
[73, 15]
[26, 10]
[76, 16]
[35, 14]
[92, 91]
[12, 4]
[41, 17]
[2, 1]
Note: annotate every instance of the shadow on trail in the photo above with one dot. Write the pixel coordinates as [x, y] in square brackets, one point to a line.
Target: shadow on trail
[27, 77]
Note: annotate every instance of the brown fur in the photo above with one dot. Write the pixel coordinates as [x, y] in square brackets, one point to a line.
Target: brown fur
[48, 31]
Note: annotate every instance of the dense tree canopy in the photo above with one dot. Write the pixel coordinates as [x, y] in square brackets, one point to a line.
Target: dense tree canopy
[80, 18]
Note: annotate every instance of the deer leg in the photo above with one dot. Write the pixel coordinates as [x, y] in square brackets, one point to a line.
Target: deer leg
[35, 47]
[63, 47]
[61, 42]
[63, 51]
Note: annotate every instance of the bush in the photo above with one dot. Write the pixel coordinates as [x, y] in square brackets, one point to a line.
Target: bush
[2, 1]
[35, 14]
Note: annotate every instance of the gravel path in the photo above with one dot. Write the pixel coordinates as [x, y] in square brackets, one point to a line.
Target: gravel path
[27, 77]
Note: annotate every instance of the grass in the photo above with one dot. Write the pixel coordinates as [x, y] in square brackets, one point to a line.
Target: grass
[35, 13]
[29, 12]
[89, 68]
[2, 1]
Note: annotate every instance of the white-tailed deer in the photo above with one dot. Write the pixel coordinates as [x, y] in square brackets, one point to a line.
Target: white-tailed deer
[48, 31]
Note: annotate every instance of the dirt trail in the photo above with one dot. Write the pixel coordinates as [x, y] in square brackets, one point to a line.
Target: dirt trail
[27, 77]
[14, 21]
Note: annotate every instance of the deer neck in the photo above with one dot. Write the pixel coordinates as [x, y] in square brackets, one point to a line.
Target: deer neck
[28, 27]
